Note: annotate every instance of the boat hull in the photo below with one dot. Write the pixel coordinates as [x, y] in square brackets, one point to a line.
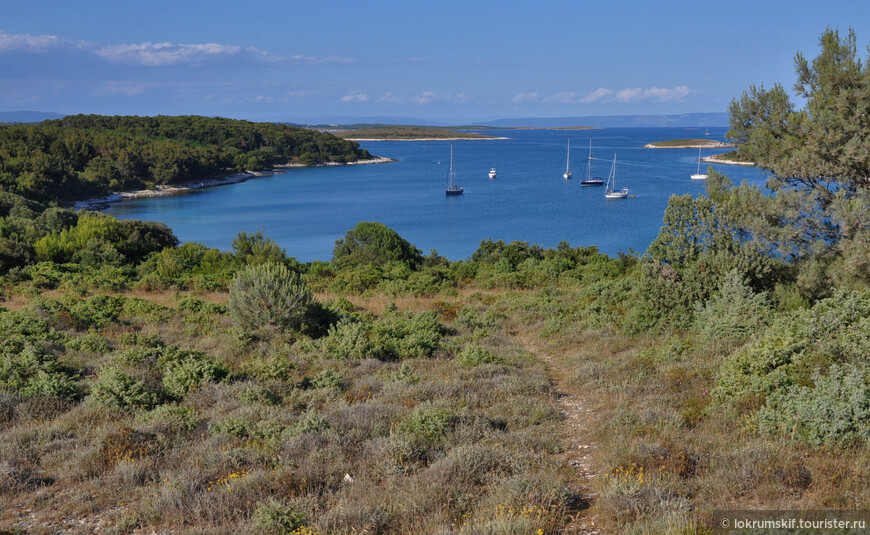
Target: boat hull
[567, 176]
[592, 182]
[699, 177]
[456, 190]
[620, 194]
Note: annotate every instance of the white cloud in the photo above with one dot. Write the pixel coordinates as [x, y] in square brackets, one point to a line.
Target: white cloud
[357, 97]
[525, 97]
[426, 97]
[24, 42]
[599, 94]
[629, 94]
[565, 97]
[160, 54]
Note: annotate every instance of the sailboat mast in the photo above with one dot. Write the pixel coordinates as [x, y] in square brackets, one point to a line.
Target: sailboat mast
[450, 169]
[589, 163]
[568, 162]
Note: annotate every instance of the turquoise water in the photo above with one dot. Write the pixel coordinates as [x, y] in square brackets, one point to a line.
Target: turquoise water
[306, 210]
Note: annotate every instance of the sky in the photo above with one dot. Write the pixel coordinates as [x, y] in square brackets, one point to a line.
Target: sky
[454, 62]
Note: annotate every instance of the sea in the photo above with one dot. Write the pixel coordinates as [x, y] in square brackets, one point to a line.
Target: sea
[305, 210]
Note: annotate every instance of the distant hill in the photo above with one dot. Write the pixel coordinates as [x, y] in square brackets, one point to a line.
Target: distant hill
[24, 116]
[617, 121]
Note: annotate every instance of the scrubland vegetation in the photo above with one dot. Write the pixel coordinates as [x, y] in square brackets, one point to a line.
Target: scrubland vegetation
[176, 388]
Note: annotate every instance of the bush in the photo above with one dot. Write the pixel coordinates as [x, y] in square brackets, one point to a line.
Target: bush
[348, 340]
[274, 518]
[429, 423]
[268, 296]
[36, 372]
[187, 370]
[473, 355]
[835, 411]
[733, 314]
[374, 244]
[116, 389]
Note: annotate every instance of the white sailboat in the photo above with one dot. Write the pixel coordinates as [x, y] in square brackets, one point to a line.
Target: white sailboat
[591, 180]
[698, 174]
[610, 191]
[452, 189]
[567, 174]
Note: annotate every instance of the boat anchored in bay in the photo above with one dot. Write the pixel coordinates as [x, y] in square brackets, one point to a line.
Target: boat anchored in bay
[611, 192]
[567, 174]
[452, 189]
[591, 180]
[698, 175]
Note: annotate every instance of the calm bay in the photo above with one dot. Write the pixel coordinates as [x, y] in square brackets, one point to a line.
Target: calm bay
[306, 209]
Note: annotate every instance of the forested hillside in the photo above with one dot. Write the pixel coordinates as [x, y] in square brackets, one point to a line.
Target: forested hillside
[156, 386]
[83, 156]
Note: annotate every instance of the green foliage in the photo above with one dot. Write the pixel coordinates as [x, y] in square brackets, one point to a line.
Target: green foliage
[374, 244]
[399, 335]
[349, 340]
[255, 249]
[474, 355]
[819, 160]
[33, 371]
[184, 371]
[794, 348]
[89, 155]
[834, 411]
[734, 314]
[429, 423]
[328, 379]
[271, 517]
[116, 389]
[268, 296]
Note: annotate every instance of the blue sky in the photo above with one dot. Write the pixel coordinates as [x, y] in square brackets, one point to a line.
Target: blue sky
[446, 61]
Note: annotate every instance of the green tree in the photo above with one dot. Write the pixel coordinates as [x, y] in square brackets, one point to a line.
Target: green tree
[374, 244]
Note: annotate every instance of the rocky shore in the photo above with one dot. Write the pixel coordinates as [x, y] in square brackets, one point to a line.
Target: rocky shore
[165, 190]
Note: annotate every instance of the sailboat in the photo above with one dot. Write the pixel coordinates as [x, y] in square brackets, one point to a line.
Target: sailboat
[567, 174]
[591, 180]
[698, 175]
[611, 192]
[452, 189]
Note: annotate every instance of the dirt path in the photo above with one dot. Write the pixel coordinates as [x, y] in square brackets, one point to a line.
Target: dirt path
[581, 450]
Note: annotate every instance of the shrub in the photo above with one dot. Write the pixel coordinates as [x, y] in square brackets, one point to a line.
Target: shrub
[429, 423]
[116, 389]
[348, 340]
[36, 372]
[835, 411]
[187, 371]
[407, 335]
[473, 355]
[734, 313]
[268, 296]
[374, 244]
[274, 518]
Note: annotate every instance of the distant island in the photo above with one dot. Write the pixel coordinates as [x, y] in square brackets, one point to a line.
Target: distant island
[405, 133]
[689, 144]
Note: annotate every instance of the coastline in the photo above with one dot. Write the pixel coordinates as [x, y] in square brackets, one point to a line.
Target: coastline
[488, 138]
[706, 145]
[716, 159]
[166, 190]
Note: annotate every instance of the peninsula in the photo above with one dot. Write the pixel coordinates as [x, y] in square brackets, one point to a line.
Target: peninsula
[689, 144]
[406, 133]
